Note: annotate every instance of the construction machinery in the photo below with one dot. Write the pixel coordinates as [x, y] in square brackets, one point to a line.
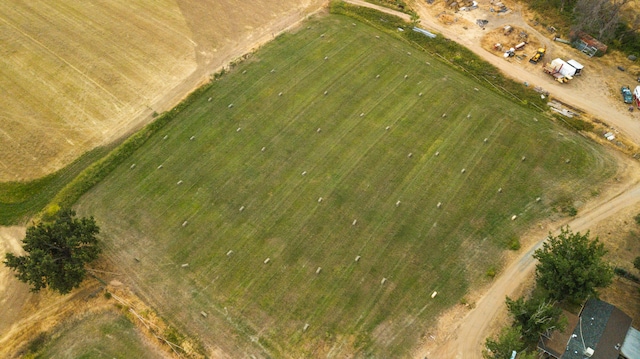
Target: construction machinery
[557, 75]
[538, 56]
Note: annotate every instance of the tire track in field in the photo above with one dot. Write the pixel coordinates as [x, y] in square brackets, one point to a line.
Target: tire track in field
[89, 79]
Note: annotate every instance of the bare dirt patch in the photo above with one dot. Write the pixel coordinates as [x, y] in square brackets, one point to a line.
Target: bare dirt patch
[13, 293]
[511, 39]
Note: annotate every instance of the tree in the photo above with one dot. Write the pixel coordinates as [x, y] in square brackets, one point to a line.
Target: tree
[535, 316]
[572, 266]
[598, 17]
[502, 347]
[636, 263]
[57, 253]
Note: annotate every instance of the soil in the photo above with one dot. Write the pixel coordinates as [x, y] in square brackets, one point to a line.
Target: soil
[13, 293]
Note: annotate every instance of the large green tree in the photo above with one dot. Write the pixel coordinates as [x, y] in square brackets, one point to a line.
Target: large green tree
[57, 252]
[535, 316]
[571, 266]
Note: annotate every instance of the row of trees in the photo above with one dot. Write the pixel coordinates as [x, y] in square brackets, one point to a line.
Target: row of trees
[571, 268]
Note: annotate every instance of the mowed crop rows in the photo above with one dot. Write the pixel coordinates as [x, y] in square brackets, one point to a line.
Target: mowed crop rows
[96, 335]
[331, 144]
[73, 73]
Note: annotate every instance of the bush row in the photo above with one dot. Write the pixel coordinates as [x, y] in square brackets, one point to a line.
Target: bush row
[626, 274]
[97, 171]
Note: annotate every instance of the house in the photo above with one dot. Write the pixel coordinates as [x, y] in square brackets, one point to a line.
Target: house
[587, 43]
[600, 331]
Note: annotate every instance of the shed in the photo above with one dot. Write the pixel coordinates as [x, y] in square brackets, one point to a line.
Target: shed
[587, 43]
[576, 65]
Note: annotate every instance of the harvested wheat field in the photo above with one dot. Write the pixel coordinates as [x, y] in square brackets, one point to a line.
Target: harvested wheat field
[76, 75]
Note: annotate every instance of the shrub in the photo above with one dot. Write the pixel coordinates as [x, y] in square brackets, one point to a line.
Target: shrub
[621, 272]
[37, 343]
[514, 243]
[491, 272]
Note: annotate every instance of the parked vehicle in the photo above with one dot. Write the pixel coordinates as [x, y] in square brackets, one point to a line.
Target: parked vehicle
[627, 96]
[557, 75]
[538, 56]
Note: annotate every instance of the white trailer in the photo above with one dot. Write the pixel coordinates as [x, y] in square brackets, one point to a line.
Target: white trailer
[576, 65]
[563, 68]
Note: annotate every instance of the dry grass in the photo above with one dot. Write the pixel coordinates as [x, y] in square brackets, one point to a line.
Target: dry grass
[78, 74]
[76, 71]
[620, 235]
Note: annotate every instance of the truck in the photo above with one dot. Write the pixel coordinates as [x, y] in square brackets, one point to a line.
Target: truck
[549, 69]
[627, 96]
[538, 56]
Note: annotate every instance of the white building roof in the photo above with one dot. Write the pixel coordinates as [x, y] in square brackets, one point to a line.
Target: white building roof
[575, 64]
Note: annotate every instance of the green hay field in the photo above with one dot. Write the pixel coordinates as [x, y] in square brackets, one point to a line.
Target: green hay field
[381, 152]
[98, 335]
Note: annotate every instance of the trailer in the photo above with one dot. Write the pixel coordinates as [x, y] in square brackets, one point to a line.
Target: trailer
[549, 69]
[564, 68]
[576, 65]
[636, 96]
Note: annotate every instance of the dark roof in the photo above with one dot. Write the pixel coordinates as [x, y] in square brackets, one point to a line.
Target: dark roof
[588, 39]
[601, 327]
[556, 343]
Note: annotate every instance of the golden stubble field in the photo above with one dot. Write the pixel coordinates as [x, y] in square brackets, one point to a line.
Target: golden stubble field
[76, 75]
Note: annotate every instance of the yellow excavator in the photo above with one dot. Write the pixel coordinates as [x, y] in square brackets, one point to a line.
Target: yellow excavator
[539, 55]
